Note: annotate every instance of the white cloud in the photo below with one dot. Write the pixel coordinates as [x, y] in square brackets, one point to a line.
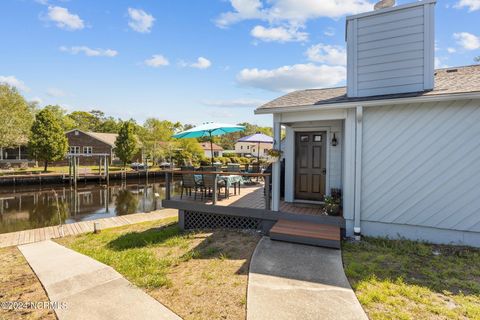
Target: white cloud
[289, 78]
[140, 21]
[472, 5]
[243, 10]
[439, 63]
[90, 52]
[324, 53]
[451, 50]
[329, 32]
[278, 34]
[467, 40]
[64, 19]
[55, 92]
[294, 12]
[235, 103]
[202, 63]
[14, 82]
[157, 61]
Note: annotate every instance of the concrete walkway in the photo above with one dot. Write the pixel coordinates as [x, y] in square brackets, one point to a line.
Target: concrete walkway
[292, 281]
[53, 232]
[89, 289]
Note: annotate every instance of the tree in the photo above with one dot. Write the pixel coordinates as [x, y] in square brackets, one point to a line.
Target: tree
[47, 140]
[16, 117]
[126, 142]
[188, 151]
[227, 141]
[477, 59]
[155, 134]
[109, 125]
[66, 122]
[85, 120]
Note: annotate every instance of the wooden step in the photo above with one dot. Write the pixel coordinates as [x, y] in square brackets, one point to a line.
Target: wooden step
[306, 233]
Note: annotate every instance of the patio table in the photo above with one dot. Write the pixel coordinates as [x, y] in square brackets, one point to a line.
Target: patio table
[232, 180]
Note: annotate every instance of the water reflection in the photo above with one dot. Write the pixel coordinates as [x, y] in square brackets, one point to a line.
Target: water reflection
[23, 208]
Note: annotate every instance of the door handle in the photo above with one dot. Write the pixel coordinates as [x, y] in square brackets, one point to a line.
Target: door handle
[324, 171]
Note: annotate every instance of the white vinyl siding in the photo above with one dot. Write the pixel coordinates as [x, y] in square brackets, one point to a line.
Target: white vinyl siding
[420, 166]
[391, 51]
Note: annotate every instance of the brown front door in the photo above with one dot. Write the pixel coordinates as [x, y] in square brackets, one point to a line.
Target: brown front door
[310, 167]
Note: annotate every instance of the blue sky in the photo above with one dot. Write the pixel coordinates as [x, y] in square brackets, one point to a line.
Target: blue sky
[192, 61]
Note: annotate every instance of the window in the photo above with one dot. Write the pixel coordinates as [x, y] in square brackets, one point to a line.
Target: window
[74, 149]
[304, 138]
[77, 133]
[265, 151]
[87, 150]
[317, 138]
[248, 147]
[241, 147]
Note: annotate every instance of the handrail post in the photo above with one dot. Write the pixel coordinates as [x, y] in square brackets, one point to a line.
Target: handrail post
[267, 192]
[214, 195]
[167, 186]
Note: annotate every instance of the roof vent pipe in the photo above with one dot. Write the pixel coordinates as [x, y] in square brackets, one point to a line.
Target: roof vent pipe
[384, 4]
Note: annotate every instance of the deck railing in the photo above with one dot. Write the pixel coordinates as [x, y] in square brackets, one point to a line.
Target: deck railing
[266, 176]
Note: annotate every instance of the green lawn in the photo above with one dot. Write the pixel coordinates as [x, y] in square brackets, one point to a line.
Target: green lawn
[411, 280]
[201, 275]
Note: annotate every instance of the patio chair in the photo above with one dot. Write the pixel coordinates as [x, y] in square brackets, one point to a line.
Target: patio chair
[233, 167]
[252, 168]
[189, 183]
[209, 183]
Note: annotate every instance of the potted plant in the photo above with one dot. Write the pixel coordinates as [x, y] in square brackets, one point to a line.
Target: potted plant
[274, 155]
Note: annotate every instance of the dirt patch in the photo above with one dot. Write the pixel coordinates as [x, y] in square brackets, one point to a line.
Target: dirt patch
[213, 284]
[18, 283]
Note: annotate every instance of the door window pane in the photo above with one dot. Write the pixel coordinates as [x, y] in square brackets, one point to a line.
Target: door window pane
[317, 138]
[304, 138]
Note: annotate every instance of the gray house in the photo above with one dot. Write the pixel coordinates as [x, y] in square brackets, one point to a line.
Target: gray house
[401, 140]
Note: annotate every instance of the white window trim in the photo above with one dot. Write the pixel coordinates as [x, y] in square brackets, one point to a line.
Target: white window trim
[73, 149]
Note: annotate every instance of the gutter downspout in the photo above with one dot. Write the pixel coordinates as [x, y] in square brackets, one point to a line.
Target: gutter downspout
[358, 171]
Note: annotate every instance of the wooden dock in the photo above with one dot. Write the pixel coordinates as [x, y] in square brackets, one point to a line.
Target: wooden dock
[53, 232]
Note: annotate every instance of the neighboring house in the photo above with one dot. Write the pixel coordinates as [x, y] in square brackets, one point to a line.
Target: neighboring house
[15, 156]
[255, 145]
[207, 149]
[401, 140]
[90, 147]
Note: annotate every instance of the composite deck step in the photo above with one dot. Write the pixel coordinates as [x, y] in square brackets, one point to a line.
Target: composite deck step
[306, 233]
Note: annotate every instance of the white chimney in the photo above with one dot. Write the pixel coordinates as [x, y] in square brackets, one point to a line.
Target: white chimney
[391, 50]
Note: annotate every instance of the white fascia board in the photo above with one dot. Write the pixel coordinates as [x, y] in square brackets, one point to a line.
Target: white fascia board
[372, 103]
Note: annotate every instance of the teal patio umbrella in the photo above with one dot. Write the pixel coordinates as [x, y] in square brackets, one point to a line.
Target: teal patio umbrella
[210, 130]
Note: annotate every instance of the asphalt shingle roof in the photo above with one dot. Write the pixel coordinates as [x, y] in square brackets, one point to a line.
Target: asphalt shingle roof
[447, 81]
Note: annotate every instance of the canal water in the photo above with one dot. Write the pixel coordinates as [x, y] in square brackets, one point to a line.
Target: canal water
[29, 207]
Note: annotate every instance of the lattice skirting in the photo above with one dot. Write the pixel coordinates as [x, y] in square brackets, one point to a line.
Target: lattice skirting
[202, 220]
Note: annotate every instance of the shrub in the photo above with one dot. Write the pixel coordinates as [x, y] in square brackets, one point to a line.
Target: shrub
[230, 154]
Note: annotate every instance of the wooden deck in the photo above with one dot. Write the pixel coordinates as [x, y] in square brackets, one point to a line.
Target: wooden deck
[41, 234]
[253, 197]
[295, 222]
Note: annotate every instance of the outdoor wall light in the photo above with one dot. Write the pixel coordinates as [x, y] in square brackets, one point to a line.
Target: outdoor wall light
[334, 141]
